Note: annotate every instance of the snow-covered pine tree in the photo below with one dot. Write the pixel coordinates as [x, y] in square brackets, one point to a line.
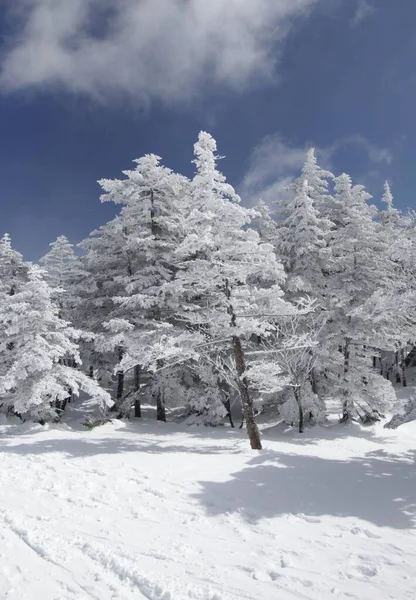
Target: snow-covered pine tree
[12, 268]
[106, 263]
[301, 243]
[396, 231]
[60, 263]
[13, 272]
[390, 215]
[359, 279]
[64, 271]
[151, 199]
[37, 380]
[228, 283]
[301, 236]
[318, 181]
[264, 223]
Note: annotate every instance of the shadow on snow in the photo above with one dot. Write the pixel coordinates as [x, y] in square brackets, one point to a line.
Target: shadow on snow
[377, 488]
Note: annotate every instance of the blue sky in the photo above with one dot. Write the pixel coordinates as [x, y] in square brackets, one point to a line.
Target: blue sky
[85, 88]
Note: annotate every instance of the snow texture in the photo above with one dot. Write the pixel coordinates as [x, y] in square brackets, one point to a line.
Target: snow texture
[145, 510]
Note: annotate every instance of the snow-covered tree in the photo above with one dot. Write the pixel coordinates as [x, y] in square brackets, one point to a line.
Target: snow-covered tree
[360, 281]
[228, 283]
[390, 215]
[60, 263]
[107, 264]
[38, 379]
[302, 235]
[12, 268]
[150, 217]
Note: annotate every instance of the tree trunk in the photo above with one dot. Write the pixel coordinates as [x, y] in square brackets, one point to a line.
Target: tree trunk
[160, 408]
[346, 356]
[403, 367]
[227, 405]
[347, 410]
[137, 406]
[347, 405]
[296, 392]
[246, 401]
[397, 367]
[120, 377]
[120, 384]
[312, 379]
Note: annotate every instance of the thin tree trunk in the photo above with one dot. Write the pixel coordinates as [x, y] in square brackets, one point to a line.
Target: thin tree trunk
[137, 406]
[246, 401]
[347, 403]
[397, 367]
[252, 429]
[160, 407]
[403, 367]
[346, 357]
[296, 392]
[227, 405]
[120, 389]
[120, 384]
[120, 377]
[312, 379]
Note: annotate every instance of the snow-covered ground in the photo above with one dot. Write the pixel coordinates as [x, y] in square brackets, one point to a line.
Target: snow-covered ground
[146, 510]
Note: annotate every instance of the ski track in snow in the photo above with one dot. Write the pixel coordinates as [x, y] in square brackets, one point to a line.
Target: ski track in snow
[131, 511]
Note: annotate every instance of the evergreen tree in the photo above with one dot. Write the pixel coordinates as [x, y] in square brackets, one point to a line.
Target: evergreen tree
[12, 268]
[37, 379]
[150, 217]
[227, 282]
[359, 280]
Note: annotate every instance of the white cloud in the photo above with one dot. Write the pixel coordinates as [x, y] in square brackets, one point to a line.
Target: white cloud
[144, 49]
[363, 11]
[376, 154]
[274, 163]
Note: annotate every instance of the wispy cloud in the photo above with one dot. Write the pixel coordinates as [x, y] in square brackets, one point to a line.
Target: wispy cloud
[363, 11]
[376, 154]
[144, 49]
[275, 162]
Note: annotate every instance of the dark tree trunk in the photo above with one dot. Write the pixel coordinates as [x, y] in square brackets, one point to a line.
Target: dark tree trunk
[137, 405]
[227, 405]
[346, 357]
[411, 358]
[120, 384]
[347, 403]
[397, 367]
[160, 407]
[312, 379]
[346, 411]
[116, 408]
[120, 378]
[403, 367]
[247, 403]
[296, 392]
